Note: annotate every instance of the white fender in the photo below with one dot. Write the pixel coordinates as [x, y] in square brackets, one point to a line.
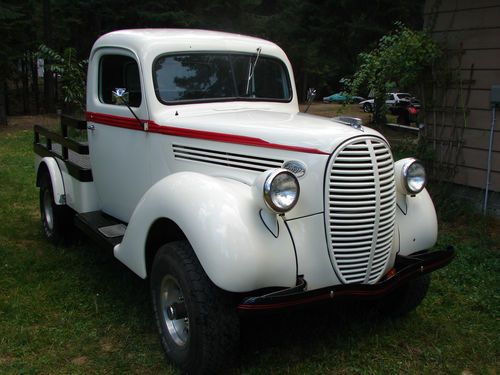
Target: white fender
[416, 222]
[55, 178]
[221, 221]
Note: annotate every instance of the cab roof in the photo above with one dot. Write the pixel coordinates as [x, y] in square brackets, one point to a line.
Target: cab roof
[154, 41]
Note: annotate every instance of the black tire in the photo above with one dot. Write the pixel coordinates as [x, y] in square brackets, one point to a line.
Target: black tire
[57, 220]
[201, 334]
[406, 298]
[367, 107]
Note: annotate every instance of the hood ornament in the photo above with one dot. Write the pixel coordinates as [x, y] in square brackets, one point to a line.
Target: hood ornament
[296, 167]
[353, 122]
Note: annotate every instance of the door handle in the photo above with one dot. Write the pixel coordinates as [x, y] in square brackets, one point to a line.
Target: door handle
[91, 127]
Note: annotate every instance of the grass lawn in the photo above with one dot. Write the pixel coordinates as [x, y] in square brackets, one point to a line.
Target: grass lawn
[75, 310]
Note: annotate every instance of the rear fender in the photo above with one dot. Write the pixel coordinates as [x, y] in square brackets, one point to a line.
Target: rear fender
[222, 221]
[50, 165]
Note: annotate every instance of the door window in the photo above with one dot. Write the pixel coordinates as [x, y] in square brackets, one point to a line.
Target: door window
[118, 71]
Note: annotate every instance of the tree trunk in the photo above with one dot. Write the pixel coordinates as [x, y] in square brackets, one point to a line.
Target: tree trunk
[25, 85]
[379, 110]
[48, 79]
[3, 103]
[34, 82]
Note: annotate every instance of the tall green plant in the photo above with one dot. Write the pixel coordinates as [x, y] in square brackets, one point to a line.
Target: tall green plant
[400, 61]
[72, 72]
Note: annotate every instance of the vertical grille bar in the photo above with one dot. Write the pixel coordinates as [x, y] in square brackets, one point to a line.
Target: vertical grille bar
[360, 202]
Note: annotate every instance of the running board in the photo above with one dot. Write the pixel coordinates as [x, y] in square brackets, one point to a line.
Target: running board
[103, 229]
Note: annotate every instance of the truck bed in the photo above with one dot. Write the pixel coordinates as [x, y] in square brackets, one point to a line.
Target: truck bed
[81, 160]
[75, 154]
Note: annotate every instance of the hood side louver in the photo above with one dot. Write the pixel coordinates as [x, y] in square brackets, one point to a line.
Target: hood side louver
[227, 159]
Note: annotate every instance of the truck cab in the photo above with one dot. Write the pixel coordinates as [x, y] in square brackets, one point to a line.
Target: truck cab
[201, 174]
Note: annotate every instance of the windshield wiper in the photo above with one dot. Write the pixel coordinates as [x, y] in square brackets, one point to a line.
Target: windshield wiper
[251, 70]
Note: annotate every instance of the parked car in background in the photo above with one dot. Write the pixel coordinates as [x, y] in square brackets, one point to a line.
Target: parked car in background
[392, 100]
[342, 98]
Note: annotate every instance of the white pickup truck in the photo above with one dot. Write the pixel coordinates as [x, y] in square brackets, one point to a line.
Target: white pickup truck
[201, 174]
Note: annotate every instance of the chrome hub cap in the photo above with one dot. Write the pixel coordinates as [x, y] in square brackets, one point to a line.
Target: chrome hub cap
[174, 311]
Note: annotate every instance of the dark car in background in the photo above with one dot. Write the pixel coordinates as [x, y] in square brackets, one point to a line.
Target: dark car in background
[340, 97]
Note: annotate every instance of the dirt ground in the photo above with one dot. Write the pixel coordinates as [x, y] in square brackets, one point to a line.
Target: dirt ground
[16, 123]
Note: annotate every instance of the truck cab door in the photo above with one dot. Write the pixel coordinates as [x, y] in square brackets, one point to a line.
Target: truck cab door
[117, 140]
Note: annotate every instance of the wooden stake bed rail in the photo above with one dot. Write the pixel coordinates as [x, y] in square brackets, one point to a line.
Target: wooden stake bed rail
[74, 154]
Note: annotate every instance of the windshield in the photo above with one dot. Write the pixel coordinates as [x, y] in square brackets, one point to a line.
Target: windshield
[217, 76]
[404, 96]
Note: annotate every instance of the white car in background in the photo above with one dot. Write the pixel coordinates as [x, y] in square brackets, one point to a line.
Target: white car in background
[391, 101]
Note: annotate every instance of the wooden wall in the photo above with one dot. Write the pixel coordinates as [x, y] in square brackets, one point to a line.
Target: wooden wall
[458, 124]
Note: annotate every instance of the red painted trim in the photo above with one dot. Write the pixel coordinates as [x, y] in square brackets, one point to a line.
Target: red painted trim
[111, 120]
[131, 123]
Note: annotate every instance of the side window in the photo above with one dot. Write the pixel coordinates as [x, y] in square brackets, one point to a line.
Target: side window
[117, 71]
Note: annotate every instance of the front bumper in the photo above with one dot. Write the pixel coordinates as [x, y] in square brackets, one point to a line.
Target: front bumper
[406, 268]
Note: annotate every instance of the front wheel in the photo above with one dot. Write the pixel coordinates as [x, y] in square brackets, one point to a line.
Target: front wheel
[197, 322]
[406, 298]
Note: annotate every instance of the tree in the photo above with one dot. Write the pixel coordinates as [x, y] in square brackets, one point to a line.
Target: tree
[8, 14]
[73, 74]
[400, 60]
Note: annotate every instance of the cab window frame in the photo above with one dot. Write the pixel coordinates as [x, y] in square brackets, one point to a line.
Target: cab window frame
[132, 61]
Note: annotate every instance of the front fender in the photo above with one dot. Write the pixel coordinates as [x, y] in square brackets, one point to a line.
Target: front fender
[416, 222]
[55, 177]
[221, 221]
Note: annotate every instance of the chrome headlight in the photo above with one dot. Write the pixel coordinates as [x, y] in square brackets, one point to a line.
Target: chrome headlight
[281, 190]
[412, 177]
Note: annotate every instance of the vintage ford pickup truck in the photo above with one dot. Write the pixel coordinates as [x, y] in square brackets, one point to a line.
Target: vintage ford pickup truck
[201, 174]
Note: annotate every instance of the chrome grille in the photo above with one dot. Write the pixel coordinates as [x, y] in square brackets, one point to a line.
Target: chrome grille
[252, 163]
[360, 201]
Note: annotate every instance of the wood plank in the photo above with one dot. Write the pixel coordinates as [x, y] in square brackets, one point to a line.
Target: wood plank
[479, 99]
[470, 39]
[472, 138]
[481, 79]
[478, 18]
[456, 5]
[476, 178]
[482, 59]
[477, 119]
[467, 157]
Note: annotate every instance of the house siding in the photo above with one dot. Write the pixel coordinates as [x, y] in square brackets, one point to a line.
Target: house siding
[458, 127]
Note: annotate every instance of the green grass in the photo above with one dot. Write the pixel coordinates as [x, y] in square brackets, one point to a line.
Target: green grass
[75, 310]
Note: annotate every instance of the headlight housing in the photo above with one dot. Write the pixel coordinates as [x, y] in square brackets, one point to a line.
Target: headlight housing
[411, 176]
[281, 190]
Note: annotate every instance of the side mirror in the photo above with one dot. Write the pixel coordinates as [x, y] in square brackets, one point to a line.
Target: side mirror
[311, 94]
[120, 96]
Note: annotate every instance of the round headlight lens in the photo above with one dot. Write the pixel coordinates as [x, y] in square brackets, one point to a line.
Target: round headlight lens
[414, 176]
[281, 190]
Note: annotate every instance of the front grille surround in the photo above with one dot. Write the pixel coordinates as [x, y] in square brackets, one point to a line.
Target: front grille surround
[360, 202]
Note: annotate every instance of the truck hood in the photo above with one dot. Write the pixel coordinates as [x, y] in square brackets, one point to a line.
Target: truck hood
[292, 130]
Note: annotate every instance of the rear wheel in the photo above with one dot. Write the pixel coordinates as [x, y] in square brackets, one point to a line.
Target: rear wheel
[56, 219]
[197, 322]
[367, 107]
